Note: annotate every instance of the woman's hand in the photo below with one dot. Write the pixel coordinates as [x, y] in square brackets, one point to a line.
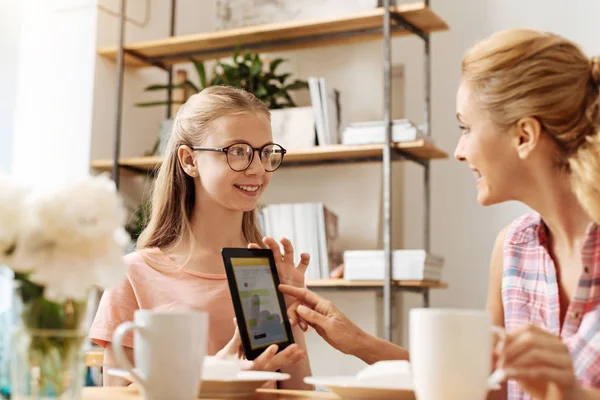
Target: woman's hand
[289, 274]
[540, 363]
[329, 322]
[339, 331]
[269, 360]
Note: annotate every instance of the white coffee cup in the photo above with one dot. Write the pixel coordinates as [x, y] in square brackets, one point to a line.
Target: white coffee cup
[169, 348]
[451, 353]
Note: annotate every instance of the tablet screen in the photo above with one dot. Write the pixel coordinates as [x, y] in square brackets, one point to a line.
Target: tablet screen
[258, 295]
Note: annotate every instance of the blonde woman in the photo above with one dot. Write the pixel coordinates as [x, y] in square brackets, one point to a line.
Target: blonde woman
[529, 112]
[219, 160]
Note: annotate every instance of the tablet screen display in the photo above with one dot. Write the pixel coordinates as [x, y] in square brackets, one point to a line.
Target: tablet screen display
[260, 305]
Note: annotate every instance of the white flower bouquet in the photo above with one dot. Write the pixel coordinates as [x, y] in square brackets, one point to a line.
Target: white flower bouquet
[61, 245]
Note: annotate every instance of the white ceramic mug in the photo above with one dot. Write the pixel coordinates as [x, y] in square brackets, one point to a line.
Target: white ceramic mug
[451, 353]
[169, 348]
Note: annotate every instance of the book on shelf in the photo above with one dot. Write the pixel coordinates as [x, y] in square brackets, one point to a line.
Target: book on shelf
[327, 114]
[373, 132]
[312, 228]
[410, 264]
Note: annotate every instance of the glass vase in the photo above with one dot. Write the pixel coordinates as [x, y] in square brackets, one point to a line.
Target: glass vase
[47, 364]
[7, 321]
[48, 345]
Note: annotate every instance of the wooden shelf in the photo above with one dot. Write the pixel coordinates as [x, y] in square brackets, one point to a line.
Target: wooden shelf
[141, 164]
[420, 149]
[342, 283]
[292, 35]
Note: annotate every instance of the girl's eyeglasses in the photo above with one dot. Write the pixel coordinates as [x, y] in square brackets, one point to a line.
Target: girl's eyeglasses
[241, 155]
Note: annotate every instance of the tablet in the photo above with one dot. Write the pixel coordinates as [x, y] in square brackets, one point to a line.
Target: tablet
[259, 306]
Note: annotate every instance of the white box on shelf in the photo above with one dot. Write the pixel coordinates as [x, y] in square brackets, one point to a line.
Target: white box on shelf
[371, 132]
[407, 265]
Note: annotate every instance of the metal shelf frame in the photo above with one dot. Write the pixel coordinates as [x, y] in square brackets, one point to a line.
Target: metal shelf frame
[388, 290]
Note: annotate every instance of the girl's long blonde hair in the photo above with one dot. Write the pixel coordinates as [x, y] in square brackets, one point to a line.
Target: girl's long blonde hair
[173, 196]
[525, 73]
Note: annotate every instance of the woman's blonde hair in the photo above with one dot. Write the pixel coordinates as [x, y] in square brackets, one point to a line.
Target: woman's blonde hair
[173, 196]
[526, 73]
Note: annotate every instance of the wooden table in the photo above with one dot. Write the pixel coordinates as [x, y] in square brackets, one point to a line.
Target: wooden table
[94, 358]
[123, 393]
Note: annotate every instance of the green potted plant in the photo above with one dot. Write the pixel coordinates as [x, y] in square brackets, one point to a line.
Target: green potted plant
[247, 71]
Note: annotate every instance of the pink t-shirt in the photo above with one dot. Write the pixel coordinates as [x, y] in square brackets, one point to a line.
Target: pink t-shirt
[165, 286]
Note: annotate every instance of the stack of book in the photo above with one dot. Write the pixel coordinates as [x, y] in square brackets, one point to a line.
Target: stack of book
[312, 228]
[373, 132]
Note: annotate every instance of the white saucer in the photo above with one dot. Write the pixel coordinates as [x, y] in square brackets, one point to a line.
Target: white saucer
[243, 384]
[350, 387]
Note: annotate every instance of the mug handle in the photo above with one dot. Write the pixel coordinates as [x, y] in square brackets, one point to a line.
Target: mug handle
[122, 360]
[497, 377]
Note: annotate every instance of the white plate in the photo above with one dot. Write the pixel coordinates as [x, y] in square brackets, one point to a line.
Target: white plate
[349, 387]
[242, 385]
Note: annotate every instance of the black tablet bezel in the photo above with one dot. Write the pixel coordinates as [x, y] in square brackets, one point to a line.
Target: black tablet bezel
[228, 253]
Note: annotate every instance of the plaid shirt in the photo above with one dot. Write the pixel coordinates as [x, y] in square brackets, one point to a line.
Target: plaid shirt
[530, 296]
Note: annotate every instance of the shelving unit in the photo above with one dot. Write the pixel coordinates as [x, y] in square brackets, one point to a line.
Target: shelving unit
[419, 150]
[381, 23]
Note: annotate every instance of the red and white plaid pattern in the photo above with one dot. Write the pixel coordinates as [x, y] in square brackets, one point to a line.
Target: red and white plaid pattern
[530, 296]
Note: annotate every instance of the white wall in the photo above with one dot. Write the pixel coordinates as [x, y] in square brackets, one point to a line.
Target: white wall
[52, 127]
[10, 34]
[462, 231]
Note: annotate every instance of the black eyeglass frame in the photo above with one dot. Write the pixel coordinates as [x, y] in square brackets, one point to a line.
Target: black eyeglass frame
[254, 150]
